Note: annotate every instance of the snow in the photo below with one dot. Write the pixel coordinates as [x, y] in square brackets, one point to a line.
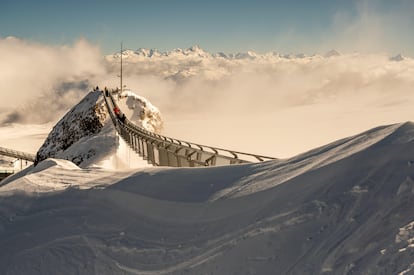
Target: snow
[140, 111]
[342, 208]
[336, 209]
[273, 175]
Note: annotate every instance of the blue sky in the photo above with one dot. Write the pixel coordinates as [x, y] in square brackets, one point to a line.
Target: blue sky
[230, 26]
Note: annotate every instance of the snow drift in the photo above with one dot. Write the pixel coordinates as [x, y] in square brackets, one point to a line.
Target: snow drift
[341, 208]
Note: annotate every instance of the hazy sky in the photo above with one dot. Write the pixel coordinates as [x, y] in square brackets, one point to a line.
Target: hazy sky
[289, 26]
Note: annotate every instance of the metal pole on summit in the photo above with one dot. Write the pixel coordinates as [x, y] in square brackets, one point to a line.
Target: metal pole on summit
[121, 69]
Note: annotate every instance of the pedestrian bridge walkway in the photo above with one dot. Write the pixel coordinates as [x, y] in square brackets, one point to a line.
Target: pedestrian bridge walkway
[17, 154]
[160, 150]
[14, 154]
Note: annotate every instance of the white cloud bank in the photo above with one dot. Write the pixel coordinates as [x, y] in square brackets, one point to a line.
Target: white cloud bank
[268, 104]
[38, 83]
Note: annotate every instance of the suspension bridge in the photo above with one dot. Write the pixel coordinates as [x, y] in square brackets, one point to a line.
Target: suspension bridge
[160, 150]
[157, 149]
[17, 155]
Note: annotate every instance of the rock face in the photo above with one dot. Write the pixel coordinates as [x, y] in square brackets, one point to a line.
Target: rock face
[84, 120]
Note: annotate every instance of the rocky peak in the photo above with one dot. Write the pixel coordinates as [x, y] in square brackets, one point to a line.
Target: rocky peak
[83, 120]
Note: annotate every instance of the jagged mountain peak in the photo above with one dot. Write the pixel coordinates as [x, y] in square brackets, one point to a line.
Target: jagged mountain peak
[84, 120]
[398, 57]
[332, 53]
[86, 136]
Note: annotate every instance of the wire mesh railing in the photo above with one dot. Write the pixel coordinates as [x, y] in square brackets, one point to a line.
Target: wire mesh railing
[160, 150]
[17, 154]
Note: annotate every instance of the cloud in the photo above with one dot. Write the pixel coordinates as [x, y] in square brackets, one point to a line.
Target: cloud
[272, 104]
[39, 82]
[267, 104]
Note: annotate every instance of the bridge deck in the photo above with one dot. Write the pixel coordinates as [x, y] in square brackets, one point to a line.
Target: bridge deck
[165, 151]
[17, 154]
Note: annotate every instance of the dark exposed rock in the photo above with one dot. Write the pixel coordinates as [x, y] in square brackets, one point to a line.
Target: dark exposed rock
[83, 120]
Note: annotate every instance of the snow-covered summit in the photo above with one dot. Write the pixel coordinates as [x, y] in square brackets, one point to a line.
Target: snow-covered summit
[86, 136]
[84, 120]
[197, 51]
[140, 111]
[148, 52]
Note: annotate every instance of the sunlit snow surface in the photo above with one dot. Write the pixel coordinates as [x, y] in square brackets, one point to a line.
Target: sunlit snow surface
[344, 207]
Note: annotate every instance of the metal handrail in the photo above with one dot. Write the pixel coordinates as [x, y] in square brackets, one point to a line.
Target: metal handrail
[17, 154]
[212, 152]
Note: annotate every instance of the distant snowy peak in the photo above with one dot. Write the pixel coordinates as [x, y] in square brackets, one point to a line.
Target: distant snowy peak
[332, 53]
[197, 51]
[192, 52]
[148, 53]
[398, 57]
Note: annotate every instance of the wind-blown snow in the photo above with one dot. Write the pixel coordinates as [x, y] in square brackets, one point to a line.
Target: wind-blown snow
[343, 208]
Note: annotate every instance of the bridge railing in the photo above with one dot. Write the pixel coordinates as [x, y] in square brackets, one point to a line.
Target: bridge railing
[160, 150]
[17, 154]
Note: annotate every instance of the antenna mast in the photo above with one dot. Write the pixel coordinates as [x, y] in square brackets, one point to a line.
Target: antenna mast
[121, 70]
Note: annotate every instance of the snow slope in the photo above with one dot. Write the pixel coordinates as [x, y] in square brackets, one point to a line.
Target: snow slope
[340, 209]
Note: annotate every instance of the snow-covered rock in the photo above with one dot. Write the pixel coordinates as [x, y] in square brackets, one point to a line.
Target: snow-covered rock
[332, 53]
[86, 136]
[141, 112]
[84, 120]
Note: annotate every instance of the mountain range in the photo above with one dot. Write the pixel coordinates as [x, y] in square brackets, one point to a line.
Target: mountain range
[197, 52]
